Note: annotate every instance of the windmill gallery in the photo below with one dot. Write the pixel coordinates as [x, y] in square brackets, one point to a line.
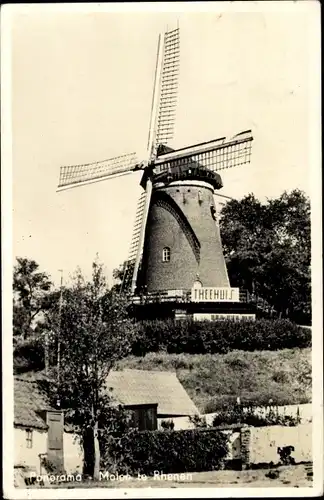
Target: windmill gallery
[176, 267]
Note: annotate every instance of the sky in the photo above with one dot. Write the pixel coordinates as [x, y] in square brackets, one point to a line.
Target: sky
[81, 85]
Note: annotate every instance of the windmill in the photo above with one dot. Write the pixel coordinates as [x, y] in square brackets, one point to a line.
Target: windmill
[176, 241]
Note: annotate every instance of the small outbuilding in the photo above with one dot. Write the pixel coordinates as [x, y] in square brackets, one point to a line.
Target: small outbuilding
[152, 396]
[40, 436]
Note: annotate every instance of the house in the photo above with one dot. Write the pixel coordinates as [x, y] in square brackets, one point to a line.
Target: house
[152, 396]
[39, 431]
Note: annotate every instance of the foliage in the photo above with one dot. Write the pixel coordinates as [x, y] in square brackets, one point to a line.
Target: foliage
[218, 337]
[169, 451]
[118, 276]
[167, 425]
[198, 421]
[29, 355]
[93, 331]
[214, 381]
[268, 249]
[31, 296]
[49, 466]
[285, 455]
[250, 415]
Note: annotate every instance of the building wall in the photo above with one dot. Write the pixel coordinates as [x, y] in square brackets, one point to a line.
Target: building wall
[195, 200]
[73, 454]
[29, 456]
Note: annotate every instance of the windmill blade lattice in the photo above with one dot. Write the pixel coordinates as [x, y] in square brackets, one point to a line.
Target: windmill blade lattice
[137, 226]
[168, 88]
[74, 175]
[214, 155]
[130, 263]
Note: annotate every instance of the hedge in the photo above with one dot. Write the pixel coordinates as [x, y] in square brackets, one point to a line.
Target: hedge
[218, 337]
[167, 451]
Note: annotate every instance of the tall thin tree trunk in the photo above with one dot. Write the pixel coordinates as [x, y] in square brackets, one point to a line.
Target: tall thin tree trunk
[96, 468]
[96, 465]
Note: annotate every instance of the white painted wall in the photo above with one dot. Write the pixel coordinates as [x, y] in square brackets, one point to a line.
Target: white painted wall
[73, 453]
[266, 440]
[29, 456]
[180, 423]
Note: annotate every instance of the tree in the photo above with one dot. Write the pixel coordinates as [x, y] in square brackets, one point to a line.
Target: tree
[123, 277]
[118, 276]
[94, 331]
[267, 249]
[31, 290]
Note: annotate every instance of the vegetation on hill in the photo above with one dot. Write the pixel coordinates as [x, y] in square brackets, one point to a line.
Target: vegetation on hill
[215, 380]
[206, 337]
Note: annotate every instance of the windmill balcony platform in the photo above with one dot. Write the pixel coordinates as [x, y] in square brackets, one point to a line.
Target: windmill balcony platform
[178, 296]
[178, 304]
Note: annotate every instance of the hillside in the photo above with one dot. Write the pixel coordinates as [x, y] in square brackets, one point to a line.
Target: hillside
[213, 380]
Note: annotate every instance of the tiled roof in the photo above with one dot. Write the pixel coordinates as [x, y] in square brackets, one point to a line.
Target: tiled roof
[28, 399]
[134, 387]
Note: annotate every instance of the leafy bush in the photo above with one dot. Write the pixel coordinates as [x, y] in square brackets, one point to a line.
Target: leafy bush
[218, 337]
[236, 414]
[167, 451]
[167, 425]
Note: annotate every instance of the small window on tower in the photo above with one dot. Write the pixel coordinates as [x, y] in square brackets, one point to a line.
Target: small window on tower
[166, 254]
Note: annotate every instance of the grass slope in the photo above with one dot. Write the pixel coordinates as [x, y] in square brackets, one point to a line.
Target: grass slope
[213, 380]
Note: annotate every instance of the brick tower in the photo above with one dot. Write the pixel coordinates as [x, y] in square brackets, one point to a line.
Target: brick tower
[182, 239]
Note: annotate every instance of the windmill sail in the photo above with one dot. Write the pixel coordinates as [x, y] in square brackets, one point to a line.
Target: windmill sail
[76, 175]
[162, 122]
[214, 155]
[168, 88]
[130, 263]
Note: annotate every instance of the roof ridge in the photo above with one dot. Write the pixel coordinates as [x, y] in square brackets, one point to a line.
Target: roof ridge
[147, 371]
[25, 379]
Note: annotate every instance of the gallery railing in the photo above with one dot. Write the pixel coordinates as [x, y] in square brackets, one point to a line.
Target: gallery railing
[178, 296]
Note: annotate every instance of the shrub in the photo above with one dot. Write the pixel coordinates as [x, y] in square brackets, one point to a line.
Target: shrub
[218, 337]
[167, 425]
[237, 414]
[167, 451]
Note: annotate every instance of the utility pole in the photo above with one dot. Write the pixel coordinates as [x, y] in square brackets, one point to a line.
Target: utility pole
[46, 353]
[59, 334]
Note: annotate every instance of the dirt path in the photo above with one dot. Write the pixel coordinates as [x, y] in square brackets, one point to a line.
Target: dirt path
[289, 476]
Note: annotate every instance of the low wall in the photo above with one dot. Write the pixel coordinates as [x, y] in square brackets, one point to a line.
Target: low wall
[73, 454]
[264, 442]
[258, 445]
